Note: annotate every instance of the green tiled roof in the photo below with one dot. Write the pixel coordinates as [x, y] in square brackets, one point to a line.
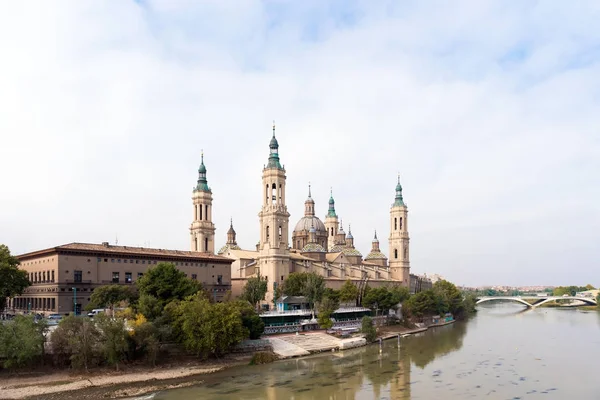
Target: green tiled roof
[313, 248]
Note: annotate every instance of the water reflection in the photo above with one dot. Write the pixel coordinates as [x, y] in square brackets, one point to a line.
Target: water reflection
[503, 353]
[360, 373]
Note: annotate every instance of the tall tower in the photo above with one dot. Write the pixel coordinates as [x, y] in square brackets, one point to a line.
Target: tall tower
[399, 255]
[202, 230]
[273, 248]
[331, 223]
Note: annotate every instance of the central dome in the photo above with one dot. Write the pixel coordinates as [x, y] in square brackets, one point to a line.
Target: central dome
[308, 222]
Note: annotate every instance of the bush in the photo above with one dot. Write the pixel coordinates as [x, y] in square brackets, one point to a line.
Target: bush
[21, 341]
[368, 329]
[263, 357]
[113, 339]
[76, 339]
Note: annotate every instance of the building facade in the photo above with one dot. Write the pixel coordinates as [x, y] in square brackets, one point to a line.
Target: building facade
[64, 277]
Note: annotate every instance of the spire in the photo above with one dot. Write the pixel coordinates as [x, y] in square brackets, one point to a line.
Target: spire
[231, 234]
[375, 244]
[399, 202]
[202, 184]
[274, 152]
[309, 205]
[331, 211]
[349, 236]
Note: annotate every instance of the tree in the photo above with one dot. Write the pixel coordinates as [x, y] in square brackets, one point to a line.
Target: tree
[13, 280]
[589, 287]
[348, 292]
[166, 283]
[147, 338]
[294, 284]
[380, 299]
[113, 340]
[327, 306]
[399, 295]
[150, 306]
[109, 296]
[368, 329]
[21, 341]
[76, 339]
[420, 304]
[210, 329]
[314, 288]
[255, 290]
[250, 319]
[448, 297]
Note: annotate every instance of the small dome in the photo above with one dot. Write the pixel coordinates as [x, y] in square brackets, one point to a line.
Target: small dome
[273, 143]
[228, 247]
[348, 251]
[375, 255]
[349, 235]
[338, 248]
[307, 222]
[313, 248]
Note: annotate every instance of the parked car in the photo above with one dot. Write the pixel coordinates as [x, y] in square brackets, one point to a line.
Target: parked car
[95, 312]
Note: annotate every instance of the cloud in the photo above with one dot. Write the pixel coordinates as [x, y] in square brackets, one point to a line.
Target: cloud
[487, 110]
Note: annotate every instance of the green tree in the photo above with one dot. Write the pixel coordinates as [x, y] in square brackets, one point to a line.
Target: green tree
[421, 304]
[332, 294]
[109, 296]
[380, 299]
[589, 287]
[368, 329]
[150, 306]
[448, 297]
[326, 307]
[294, 284]
[13, 280]
[348, 292]
[166, 283]
[76, 339]
[399, 295]
[250, 319]
[113, 338]
[210, 329]
[314, 288]
[255, 290]
[21, 341]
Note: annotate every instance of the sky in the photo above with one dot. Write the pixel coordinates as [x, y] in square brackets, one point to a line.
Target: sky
[488, 111]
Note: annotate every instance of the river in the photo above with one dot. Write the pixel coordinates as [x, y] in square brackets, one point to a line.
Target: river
[502, 353]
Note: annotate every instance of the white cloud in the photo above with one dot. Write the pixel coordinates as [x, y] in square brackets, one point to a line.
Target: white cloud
[488, 111]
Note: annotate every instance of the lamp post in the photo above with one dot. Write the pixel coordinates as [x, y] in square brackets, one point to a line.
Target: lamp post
[75, 301]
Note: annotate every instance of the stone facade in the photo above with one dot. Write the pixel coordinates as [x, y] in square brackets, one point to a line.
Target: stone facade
[66, 275]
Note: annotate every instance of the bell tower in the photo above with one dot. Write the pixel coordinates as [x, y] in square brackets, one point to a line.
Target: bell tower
[399, 255]
[331, 223]
[274, 254]
[202, 230]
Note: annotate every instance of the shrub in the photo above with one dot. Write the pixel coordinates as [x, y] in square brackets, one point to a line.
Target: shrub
[21, 341]
[368, 329]
[263, 357]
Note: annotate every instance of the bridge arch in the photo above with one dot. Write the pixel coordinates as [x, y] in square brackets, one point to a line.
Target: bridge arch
[538, 300]
[504, 298]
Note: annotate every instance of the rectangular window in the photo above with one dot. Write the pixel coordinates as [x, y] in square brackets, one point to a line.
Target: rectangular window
[140, 274]
[77, 276]
[119, 260]
[99, 259]
[219, 279]
[130, 261]
[52, 276]
[128, 277]
[106, 260]
[112, 260]
[115, 277]
[143, 261]
[194, 276]
[137, 261]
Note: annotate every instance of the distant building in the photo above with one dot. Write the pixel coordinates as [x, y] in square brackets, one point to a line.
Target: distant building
[64, 277]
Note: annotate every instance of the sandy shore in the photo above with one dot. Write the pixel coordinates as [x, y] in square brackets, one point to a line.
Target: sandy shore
[103, 384]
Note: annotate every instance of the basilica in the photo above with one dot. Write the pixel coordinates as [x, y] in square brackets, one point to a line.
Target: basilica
[315, 245]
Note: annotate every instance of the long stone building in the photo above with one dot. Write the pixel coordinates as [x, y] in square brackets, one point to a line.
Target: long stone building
[64, 277]
[316, 246]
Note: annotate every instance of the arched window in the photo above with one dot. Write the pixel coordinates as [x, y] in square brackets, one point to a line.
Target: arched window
[206, 212]
[200, 208]
[400, 223]
[267, 194]
[395, 224]
[267, 232]
[280, 230]
[332, 231]
[395, 253]
[274, 193]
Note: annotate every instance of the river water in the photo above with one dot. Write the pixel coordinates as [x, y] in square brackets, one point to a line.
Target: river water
[502, 353]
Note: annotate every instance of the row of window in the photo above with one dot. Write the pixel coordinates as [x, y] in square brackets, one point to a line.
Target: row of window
[126, 261]
[116, 277]
[41, 277]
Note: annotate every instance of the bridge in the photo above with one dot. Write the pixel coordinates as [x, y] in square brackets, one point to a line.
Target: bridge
[538, 300]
